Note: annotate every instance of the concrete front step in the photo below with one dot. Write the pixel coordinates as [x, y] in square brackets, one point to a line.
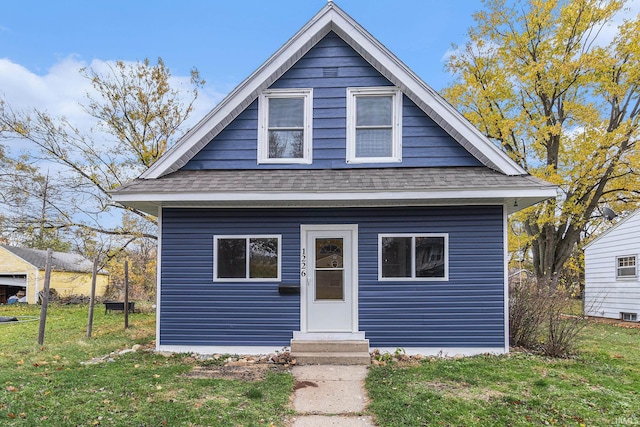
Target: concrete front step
[329, 346]
[328, 358]
[330, 352]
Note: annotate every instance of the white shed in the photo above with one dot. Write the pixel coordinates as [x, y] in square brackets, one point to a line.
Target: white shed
[612, 282]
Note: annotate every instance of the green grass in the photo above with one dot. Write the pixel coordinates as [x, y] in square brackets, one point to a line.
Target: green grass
[600, 386]
[50, 385]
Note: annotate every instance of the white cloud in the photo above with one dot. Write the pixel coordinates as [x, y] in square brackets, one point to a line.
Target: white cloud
[608, 32]
[62, 89]
[57, 92]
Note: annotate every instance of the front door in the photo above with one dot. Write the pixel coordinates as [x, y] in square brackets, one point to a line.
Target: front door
[329, 278]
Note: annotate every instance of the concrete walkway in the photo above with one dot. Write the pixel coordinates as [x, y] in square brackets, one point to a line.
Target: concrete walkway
[330, 395]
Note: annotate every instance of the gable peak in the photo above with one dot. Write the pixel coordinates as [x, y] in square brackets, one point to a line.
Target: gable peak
[331, 18]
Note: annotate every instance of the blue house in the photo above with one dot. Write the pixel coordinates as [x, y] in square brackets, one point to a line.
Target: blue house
[333, 196]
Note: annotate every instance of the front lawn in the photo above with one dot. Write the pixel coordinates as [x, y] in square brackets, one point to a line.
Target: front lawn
[599, 387]
[52, 385]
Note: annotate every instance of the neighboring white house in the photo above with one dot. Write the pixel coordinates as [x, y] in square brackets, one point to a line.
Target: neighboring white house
[612, 279]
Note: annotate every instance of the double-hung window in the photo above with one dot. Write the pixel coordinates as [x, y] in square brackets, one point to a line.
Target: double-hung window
[626, 267]
[374, 125]
[413, 257]
[246, 258]
[285, 123]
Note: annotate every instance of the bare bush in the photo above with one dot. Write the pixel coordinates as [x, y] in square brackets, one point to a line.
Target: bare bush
[525, 315]
[537, 319]
[561, 330]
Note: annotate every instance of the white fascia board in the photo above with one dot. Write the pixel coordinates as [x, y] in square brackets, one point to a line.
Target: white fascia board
[542, 192]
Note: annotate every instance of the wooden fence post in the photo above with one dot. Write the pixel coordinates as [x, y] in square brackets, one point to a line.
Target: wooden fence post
[92, 300]
[126, 294]
[45, 298]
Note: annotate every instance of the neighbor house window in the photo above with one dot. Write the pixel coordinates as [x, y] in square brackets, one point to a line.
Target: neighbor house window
[285, 122]
[413, 257]
[246, 258]
[374, 125]
[626, 266]
[629, 317]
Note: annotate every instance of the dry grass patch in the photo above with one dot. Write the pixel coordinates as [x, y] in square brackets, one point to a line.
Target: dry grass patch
[458, 390]
[254, 372]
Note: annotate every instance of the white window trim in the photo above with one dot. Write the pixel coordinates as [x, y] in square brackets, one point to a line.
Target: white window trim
[626, 277]
[247, 260]
[263, 125]
[396, 129]
[413, 258]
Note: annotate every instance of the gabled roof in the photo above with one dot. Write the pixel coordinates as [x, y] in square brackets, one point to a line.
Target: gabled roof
[332, 18]
[60, 261]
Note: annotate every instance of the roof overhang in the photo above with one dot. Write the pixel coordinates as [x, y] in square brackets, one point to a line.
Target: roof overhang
[348, 187]
[512, 199]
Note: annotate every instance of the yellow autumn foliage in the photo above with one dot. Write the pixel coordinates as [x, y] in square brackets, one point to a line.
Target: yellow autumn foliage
[539, 78]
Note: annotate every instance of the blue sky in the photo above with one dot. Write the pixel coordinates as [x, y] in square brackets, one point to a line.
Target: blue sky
[225, 40]
[43, 43]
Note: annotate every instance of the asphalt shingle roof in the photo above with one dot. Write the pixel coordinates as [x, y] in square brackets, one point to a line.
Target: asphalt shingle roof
[60, 261]
[338, 180]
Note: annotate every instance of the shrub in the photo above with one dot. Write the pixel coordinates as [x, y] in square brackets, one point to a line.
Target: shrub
[537, 319]
[525, 314]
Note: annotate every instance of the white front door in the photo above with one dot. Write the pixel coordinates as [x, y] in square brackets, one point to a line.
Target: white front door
[329, 291]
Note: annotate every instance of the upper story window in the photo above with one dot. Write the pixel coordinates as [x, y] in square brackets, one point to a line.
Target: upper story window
[374, 125]
[626, 266]
[246, 258]
[285, 123]
[413, 257]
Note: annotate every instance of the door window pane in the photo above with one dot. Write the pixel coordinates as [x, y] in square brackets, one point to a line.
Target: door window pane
[329, 253]
[330, 285]
[329, 269]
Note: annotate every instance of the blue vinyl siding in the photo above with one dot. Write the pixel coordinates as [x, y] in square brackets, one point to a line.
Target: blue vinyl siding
[425, 143]
[465, 311]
